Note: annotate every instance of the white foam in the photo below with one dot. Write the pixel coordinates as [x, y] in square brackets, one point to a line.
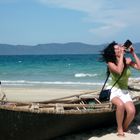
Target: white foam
[134, 78]
[78, 75]
[23, 82]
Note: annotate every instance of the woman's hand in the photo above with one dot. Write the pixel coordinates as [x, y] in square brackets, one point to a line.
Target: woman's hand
[131, 50]
[135, 64]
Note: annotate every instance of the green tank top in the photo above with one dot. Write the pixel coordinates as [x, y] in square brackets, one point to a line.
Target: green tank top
[123, 82]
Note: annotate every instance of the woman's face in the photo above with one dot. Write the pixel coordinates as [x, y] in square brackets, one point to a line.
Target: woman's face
[118, 50]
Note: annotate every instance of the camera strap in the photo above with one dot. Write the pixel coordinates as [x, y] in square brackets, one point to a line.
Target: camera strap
[115, 82]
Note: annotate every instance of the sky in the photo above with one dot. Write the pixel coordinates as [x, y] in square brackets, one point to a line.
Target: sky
[32, 22]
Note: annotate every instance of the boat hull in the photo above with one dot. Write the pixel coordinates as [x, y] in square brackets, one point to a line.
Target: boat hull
[23, 125]
[27, 126]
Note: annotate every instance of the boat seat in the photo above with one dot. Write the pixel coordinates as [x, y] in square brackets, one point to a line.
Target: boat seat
[34, 106]
[59, 108]
[86, 97]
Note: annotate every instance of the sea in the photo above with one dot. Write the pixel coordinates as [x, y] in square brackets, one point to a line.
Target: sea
[85, 71]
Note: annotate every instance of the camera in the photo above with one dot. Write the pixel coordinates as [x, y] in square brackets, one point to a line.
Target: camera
[127, 44]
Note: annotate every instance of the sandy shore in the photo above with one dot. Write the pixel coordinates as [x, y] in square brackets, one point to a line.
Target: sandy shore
[108, 133]
[37, 94]
[45, 94]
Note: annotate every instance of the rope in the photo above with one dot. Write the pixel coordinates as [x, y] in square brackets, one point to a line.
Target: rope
[2, 95]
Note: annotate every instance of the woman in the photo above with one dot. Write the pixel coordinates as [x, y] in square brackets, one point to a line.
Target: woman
[113, 55]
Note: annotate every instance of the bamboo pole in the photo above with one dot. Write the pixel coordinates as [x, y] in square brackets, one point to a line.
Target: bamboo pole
[104, 105]
[62, 98]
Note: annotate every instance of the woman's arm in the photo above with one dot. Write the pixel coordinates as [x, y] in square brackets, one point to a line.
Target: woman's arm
[131, 63]
[117, 68]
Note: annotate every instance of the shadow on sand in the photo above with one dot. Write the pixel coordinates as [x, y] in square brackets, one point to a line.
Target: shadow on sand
[134, 128]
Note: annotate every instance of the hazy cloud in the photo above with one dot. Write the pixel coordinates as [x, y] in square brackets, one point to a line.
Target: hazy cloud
[110, 16]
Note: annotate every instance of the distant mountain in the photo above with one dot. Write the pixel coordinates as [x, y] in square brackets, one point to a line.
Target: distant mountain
[54, 48]
[137, 47]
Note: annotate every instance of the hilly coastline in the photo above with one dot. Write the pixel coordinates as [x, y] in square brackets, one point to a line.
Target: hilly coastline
[54, 48]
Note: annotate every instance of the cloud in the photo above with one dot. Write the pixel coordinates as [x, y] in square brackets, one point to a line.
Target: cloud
[111, 16]
[79, 5]
[107, 31]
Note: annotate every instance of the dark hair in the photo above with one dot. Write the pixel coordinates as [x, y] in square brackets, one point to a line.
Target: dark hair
[108, 54]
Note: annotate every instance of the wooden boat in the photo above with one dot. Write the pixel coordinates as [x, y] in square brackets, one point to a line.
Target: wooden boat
[48, 120]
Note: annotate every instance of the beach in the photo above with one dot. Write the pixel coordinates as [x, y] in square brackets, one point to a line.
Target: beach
[108, 133]
[28, 94]
[48, 77]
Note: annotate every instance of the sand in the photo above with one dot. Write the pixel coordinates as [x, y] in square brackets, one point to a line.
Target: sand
[37, 94]
[44, 94]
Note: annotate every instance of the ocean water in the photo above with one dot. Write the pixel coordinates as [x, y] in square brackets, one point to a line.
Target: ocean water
[61, 71]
